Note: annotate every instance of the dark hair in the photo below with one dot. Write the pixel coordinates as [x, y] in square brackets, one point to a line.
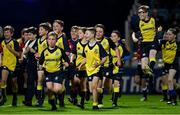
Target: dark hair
[52, 33]
[145, 8]
[91, 29]
[60, 22]
[83, 29]
[47, 26]
[32, 30]
[9, 27]
[24, 30]
[116, 32]
[175, 30]
[100, 26]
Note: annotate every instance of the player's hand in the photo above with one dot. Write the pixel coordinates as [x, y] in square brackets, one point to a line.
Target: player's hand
[65, 64]
[21, 60]
[37, 56]
[95, 65]
[79, 67]
[119, 63]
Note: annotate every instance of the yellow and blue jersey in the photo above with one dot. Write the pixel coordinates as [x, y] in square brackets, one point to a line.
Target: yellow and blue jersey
[93, 55]
[169, 51]
[148, 30]
[114, 58]
[52, 59]
[63, 43]
[79, 50]
[107, 44]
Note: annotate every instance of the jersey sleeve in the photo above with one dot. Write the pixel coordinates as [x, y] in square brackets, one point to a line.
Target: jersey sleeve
[16, 46]
[74, 51]
[42, 58]
[65, 42]
[64, 56]
[111, 44]
[102, 51]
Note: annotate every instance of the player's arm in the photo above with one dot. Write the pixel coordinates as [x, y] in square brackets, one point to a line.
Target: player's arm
[65, 57]
[73, 55]
[66, 46]
[41, 61]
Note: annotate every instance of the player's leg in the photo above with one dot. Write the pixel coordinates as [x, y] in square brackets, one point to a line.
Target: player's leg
[40, 89]
[4, 76]
[95, 81]
[171, 90]
[51, 96]
[14, 90]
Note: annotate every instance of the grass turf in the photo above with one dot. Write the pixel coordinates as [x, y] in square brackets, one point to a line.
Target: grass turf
[128, 104]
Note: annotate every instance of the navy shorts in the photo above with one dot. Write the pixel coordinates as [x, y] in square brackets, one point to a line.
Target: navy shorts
[81, 74]
[56, 77]
[146, 47]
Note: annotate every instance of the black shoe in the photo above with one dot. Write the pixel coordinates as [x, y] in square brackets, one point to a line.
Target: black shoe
[75, 101]
[70, 100]
[114, 105]
[95, 108]
[163, 100]
[3, 100]
[14, 102]
[54, 108]
[39, 103]
[61, 104]
[88, 97]
[27, 103]
[174, 103]
[81, 106]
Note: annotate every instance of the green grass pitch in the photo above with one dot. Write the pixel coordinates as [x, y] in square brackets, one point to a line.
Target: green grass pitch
[128, 104]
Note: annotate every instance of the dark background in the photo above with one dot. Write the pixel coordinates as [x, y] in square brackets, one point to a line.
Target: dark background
[25, 13]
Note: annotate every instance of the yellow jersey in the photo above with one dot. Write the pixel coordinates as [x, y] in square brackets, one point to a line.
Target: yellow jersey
[63, 43]
[52, 59]
[114, 58]
[107, 44]
[9, 60]
[79, 54]
[148, 30]
[93, 55]
[42, 45]
[169, 50]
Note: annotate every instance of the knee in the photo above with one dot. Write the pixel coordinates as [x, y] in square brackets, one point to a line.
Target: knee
[94, 87]
[116, 84]
[57, 90]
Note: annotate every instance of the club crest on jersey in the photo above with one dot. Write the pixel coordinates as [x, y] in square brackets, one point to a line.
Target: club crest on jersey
[104, 43]
[46, 54]
[44, 45]
[57, 53]
[96, 51]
